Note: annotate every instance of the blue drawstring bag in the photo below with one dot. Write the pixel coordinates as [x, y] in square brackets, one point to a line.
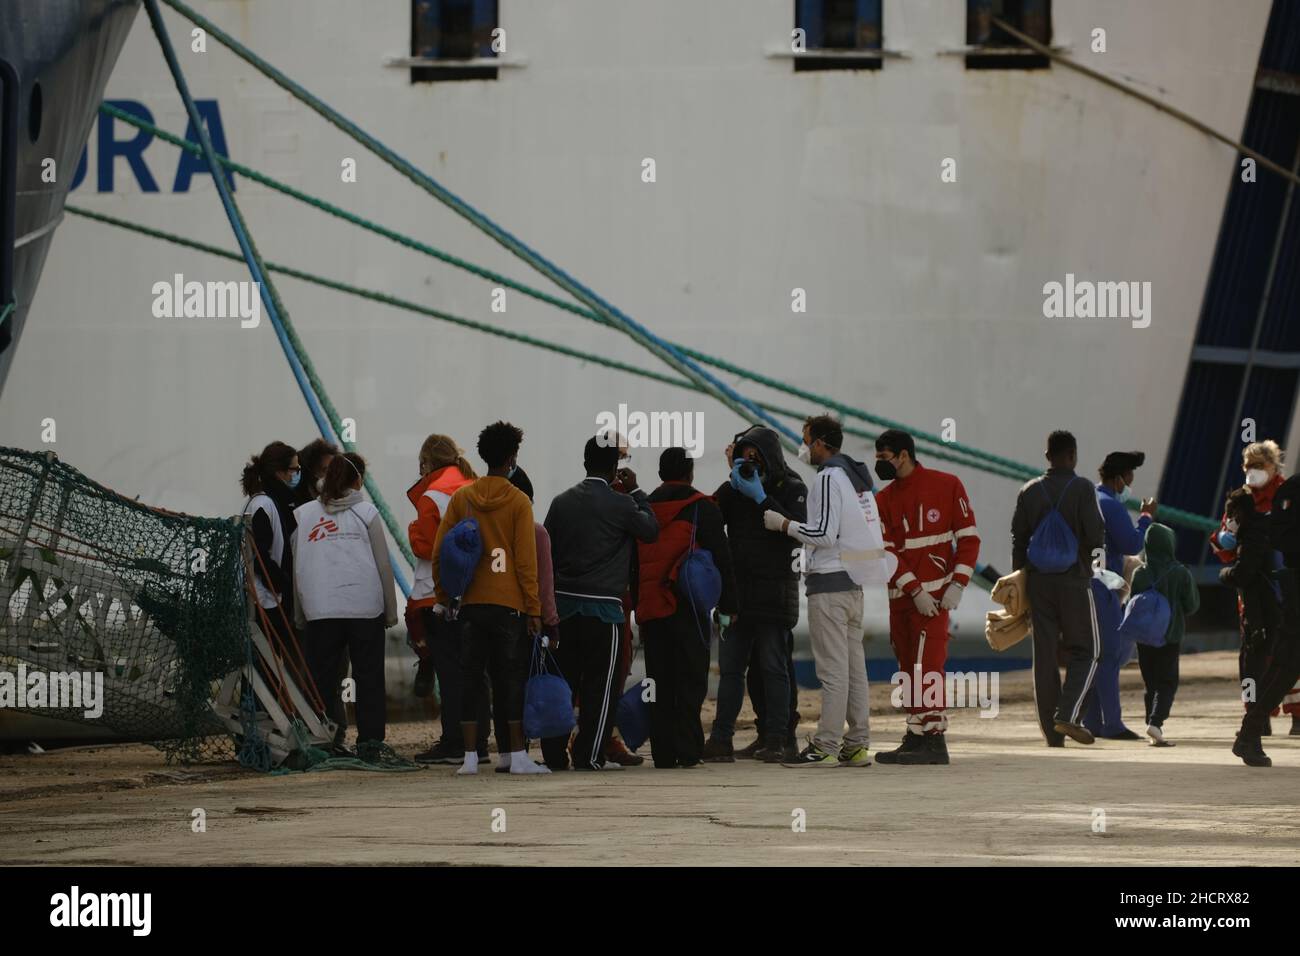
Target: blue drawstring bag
[633, 717]
[548, 699]
[1053, 548]
[462, 547]
[697, 578]
[1147, 617]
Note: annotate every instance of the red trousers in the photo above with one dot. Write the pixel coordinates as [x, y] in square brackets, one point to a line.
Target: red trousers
[921, 647]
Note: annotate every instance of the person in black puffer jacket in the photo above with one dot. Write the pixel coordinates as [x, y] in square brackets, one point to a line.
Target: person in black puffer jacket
[760, 637]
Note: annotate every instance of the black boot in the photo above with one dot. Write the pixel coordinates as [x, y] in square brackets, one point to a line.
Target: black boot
[1268, 728]
[1295, 725]
[910, 743]
[1251, 751]
[933, 750]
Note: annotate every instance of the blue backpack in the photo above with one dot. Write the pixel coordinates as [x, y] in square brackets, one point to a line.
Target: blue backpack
[1147, 616]
[462, 547]
[1053, 548]
[548, 699]
[698, 580]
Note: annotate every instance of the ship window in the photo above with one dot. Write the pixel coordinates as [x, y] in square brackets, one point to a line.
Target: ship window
[999, 50]
[836, 30]
[453, 37]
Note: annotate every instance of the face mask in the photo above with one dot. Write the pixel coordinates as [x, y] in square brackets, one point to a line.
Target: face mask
[316, 483]
[1256, 477]
[294, 478]
[1126, 493]
[804, 454]
[1231, 525]
[886, 470]
[511, 473]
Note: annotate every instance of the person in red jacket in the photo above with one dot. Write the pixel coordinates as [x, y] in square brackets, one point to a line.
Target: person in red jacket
[1262, 463]
[930, 526]
[675, 635]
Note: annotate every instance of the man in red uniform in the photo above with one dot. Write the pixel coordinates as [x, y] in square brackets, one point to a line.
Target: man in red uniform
[930, 526]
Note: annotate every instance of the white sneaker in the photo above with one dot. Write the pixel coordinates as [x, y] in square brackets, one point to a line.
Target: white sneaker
[611, 765]
[1157, 736]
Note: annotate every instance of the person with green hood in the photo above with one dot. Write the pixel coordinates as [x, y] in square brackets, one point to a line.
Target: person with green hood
[1159, 665]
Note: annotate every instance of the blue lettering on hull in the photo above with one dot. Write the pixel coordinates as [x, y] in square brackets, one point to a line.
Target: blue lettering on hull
[109, 149]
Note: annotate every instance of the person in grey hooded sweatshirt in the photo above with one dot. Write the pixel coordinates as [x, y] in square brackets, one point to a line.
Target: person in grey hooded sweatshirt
[843, 536]
[345, 595]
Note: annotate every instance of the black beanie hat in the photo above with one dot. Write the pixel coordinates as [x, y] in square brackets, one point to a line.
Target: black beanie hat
[675, 464]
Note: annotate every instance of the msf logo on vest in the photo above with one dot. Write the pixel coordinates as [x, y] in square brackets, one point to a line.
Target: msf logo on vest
[323, 529]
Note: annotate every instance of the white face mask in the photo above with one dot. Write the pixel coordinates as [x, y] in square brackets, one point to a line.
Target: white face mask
[1256, 477]
[804, 454]
[1126, 493]
[1231, 525]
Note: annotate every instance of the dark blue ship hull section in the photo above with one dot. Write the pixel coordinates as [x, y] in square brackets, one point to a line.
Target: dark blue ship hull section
[55, 60]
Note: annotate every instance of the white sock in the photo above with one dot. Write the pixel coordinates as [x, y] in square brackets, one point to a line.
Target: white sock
[503, 761]
[520, 762]
[471, 763]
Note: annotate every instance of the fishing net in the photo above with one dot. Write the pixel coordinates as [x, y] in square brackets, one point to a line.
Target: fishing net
[100, 590]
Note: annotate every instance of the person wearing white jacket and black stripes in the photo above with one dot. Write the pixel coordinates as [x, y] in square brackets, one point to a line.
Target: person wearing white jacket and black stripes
[846, 550]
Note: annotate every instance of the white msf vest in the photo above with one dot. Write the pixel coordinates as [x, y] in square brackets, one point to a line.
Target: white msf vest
[263, 503]
[334, 565]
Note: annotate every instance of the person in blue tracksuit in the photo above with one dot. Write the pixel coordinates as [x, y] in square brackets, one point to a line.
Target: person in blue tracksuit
[1102, 713]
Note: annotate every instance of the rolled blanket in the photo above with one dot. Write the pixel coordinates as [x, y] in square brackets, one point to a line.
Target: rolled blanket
[1010, 593]
[1003, 630]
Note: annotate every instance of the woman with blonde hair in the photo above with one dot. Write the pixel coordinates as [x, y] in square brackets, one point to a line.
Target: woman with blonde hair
[443, 470]
[1262, 463]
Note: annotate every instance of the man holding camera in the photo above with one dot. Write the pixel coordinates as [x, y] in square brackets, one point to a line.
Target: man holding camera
[760, 637]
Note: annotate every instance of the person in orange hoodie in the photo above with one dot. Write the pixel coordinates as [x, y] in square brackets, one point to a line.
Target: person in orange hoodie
[443, 472]
[501, 607]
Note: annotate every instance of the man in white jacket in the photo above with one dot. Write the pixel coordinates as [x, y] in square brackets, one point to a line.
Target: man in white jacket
[846, 550]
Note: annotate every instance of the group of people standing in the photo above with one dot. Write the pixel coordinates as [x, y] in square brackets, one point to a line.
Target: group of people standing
[607, 552]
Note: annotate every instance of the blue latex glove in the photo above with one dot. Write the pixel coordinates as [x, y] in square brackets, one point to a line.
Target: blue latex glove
[751, 488]
[1227, 540]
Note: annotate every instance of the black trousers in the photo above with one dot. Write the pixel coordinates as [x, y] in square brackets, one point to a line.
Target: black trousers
[493, 639]
[1159, 666]
[1252, 660]
[1062, 614]
[444, 639]
[757, 685]
[1274, 683]
[1282, 668]
[677, 660]
[363, 640]
[588, 659]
